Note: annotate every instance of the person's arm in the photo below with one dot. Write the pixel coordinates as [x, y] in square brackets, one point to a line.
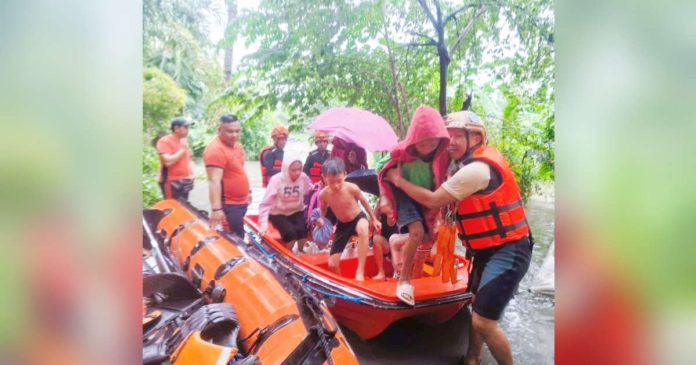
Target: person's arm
[267, 160]
[383, 199]
[468, 180]
[375, 211]
[264, 160]
[373, 218]
[169, 156]
[308, 164]
[308, 184]
[217, 215]
[322, 209]
[265, 206]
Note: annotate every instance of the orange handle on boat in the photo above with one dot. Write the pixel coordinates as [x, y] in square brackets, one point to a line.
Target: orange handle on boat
[444, 258]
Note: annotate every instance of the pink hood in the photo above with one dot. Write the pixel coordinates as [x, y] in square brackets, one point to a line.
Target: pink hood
[426, 123]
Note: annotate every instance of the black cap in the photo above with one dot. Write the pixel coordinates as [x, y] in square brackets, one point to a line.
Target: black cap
[178, 122]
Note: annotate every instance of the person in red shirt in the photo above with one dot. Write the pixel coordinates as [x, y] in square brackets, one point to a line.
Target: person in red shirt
[176, 174]
[228, 182]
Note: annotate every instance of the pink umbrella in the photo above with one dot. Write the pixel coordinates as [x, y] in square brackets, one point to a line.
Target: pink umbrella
[367, 130]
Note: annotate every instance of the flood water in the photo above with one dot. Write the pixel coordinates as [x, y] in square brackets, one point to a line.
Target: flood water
[528, 320]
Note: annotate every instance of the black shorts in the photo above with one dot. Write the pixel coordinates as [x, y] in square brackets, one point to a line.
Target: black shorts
[291, 227]
[496, 274]
[343, 233]
[387, 230]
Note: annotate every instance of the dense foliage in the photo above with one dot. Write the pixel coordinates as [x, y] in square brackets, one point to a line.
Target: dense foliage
[163, 100]
[386, 56]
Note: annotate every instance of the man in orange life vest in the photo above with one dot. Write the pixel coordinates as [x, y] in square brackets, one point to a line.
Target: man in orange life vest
[176, 174]
[482, 192]
[271, 157]
[316, 158]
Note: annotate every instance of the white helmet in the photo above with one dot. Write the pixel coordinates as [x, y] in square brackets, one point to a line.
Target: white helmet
[468, 121]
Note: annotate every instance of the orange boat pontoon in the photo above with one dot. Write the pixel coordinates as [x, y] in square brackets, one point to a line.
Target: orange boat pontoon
[279, 321]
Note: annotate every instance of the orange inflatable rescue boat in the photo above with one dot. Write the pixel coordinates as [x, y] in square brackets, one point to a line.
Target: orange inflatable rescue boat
[210, 299]
[369, 307]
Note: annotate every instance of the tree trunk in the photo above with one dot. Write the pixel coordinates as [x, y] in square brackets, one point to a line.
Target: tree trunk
[231, 15]
[444, 64]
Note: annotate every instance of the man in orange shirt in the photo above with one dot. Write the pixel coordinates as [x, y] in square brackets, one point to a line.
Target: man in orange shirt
[176, 174]
[229, 185]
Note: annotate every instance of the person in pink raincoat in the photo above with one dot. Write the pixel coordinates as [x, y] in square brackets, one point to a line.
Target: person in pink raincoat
[283, 203]
[354, 156]
[423, 159]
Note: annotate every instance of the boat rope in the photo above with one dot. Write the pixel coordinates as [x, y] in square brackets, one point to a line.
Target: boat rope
[269, 255]
[264, 333]
[335, 295]
[305, 279]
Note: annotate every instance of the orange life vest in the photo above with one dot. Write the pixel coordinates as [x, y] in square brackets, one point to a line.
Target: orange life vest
[489, 219]
[316, 159]
[265, 174]
[315, 172]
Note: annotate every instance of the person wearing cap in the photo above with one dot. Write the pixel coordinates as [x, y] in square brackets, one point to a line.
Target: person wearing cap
[271, 157]
[483, 197]
[316, 158]
[228, 182]
[176, 174]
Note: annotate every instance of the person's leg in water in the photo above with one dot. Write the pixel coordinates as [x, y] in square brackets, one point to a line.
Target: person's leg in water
[378, 246]
[494, 280]
[362, 229]
[487, 330]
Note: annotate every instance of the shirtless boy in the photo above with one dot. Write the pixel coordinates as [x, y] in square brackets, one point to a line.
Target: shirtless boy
[342, 197]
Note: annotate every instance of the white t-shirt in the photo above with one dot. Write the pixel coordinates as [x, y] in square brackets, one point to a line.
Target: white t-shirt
[468, 180]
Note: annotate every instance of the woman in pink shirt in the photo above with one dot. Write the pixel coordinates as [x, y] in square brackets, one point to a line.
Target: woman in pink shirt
[283, 203]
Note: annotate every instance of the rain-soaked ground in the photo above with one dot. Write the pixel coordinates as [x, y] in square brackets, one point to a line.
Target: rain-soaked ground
[528, 320]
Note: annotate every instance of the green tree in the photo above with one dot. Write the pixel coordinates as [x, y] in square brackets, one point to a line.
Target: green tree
[163, 99]
[176, 41]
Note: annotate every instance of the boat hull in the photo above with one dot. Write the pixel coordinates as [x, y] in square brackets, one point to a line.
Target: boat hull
[368, 308]
[368, 322]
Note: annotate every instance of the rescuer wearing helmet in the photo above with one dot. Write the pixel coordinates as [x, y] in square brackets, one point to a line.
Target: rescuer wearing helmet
[316, 158]
[485, 200]
[271, 157]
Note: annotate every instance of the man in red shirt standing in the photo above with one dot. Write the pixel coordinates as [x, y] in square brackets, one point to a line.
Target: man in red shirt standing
[229, 185]
[176, 174]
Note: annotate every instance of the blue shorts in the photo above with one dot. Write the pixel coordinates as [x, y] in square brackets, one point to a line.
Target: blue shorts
[496, 274]
[407, 211]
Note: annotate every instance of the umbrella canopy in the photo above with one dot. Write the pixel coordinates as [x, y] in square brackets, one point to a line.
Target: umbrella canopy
[366, 180]
[366, 129]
